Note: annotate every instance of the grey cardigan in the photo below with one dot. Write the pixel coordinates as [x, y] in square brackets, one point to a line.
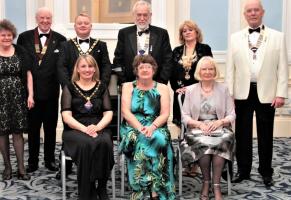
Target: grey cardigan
[223, 103]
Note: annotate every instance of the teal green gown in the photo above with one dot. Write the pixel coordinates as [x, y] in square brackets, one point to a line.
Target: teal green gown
[149, 160]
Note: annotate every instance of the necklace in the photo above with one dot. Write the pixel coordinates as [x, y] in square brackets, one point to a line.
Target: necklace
[81, 52]
[208, 90]
[255, 47]
[186, 61]
[88, 105]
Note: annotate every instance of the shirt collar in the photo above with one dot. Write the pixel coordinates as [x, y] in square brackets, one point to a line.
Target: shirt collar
[40, 32]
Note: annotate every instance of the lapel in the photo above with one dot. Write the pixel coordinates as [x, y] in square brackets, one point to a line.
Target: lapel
[261, 54]
[245, 46]
[51, 44]
[153, 40]
[133, 40]
[74, 51]
[92, 40]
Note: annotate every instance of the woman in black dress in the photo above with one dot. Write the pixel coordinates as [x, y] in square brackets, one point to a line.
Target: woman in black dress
[185, 58]
[15, 83]
[86, 112]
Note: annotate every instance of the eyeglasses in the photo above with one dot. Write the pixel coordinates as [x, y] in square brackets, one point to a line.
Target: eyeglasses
[145, 66]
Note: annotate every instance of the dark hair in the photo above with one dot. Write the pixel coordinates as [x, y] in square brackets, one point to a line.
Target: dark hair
[144, 59]
[6, 25]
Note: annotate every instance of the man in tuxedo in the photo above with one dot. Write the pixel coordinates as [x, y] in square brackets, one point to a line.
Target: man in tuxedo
[142, 38]
[83, 44]
[43, 45]
[257, 76]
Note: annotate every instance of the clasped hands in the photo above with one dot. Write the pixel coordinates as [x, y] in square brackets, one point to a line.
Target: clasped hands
[92, 130]
[147, 130]
[208, 127]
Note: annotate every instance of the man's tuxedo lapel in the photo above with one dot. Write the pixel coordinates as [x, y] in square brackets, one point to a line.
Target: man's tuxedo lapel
[153, 40]
[92, 40]
[74, 49]
[245, 46]
[261, 55]
[133, 41]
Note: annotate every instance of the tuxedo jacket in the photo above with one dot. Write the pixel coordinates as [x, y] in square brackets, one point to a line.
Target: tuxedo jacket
[178, 75]
[69, 55]
[272, 79]
[159, 48]
[45, 80]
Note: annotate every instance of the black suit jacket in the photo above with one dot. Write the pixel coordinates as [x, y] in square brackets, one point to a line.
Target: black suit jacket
[178, 75]
[69, 54]
[126, 50]
[45, 80]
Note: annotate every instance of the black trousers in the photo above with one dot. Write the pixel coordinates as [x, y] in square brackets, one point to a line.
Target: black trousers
[243, 131]
[46, 113]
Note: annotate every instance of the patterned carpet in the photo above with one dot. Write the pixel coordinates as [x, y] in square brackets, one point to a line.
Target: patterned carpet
[44, 186]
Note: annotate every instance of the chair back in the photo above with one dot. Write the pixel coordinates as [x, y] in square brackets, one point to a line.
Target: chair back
[181, 98]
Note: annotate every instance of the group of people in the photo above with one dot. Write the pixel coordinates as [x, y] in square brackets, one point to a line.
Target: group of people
[32, 70]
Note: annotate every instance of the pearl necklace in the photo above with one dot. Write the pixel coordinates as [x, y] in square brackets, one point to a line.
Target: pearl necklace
[207, 91]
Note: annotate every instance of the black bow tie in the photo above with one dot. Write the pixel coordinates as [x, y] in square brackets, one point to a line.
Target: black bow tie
[146, 31]
[254, 30]
[44, 35]
[81, 41]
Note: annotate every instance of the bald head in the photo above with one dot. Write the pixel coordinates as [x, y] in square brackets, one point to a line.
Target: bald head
[254, 12]
[43, 18]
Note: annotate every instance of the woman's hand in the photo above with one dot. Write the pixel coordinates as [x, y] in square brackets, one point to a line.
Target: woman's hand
[181, 90]
[30, 102]
[208, 127]
[92, 130]
[148, 130]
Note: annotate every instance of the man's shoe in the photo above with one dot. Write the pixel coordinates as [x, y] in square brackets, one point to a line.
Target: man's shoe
[268, 181]
[240, 177]
[51, 166]
[31, 168]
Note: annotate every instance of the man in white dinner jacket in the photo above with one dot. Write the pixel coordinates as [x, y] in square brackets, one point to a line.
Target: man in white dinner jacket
[257, 76]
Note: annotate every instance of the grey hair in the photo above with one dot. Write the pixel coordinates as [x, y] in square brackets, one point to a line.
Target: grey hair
[142, 2]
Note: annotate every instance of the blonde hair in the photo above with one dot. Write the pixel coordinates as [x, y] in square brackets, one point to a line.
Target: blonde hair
[83, 14]
[192, 25]
[91, 61]
[203, 61]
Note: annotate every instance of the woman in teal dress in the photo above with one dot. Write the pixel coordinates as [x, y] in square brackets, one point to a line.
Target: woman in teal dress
[145, 138]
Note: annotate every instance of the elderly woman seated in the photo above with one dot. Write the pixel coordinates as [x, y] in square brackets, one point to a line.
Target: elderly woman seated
[208, 112]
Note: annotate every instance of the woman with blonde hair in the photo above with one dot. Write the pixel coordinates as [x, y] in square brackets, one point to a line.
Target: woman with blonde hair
[208, 112]
[86, 112]
[185, 59]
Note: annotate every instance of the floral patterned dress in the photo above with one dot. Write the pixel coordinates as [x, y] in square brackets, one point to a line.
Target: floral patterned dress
[149, 160]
